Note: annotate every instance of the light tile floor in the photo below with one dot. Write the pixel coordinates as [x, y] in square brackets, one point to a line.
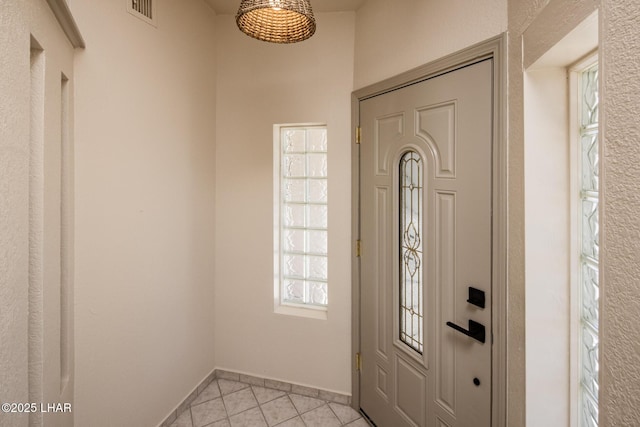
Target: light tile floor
[226, 403]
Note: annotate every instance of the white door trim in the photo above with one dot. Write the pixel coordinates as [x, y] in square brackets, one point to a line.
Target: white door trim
[493, 48]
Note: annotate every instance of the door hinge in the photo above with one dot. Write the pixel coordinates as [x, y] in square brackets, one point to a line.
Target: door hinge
[358, 362]
[358, 133]
[358, 248]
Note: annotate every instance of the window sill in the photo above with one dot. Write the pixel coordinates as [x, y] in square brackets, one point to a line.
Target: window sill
[319, 313]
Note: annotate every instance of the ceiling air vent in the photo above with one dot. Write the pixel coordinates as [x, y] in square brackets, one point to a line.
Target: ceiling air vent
[142, 9]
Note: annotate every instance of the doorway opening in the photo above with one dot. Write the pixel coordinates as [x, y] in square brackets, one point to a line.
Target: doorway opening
[400, 382]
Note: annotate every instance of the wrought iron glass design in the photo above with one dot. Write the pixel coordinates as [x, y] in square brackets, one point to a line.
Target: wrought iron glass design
[411, 270]
[303, 260]
[590, 247]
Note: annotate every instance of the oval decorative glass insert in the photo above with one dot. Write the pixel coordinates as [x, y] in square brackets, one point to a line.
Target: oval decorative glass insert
[411, 271]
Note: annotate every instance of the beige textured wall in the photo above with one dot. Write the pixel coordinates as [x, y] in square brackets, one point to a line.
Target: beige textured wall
[145, 182]
[620, 236]
[14, 206]
[260, 85]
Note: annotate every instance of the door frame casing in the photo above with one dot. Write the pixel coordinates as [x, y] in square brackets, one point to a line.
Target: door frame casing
[494, 48]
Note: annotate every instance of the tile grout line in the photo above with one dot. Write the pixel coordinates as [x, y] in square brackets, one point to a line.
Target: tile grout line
[294, 407]
[191, 415]
[224, 404]
[335, 415]
[269, 401]
[259, 406]
[288, 419]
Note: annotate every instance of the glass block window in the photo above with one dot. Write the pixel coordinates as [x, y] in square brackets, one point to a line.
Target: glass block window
[301, 183]
[589, 248]
[411, 271]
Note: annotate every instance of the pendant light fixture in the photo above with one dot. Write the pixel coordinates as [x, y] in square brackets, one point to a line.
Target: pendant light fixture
[276, 21]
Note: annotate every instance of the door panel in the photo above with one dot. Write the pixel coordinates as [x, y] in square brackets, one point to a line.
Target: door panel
[419, 261]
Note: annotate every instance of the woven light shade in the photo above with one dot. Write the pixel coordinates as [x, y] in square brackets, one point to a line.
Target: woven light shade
[276, 21]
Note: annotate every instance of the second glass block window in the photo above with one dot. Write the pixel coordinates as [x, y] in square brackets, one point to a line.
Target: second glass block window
[304, 215]
[589, 224]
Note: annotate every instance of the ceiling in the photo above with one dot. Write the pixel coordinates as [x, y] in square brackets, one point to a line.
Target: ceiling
[230, 7]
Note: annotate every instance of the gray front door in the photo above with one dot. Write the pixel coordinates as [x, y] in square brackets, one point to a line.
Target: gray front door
[426, 198]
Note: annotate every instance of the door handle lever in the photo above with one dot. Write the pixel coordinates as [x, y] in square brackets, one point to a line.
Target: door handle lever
[475, 331]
